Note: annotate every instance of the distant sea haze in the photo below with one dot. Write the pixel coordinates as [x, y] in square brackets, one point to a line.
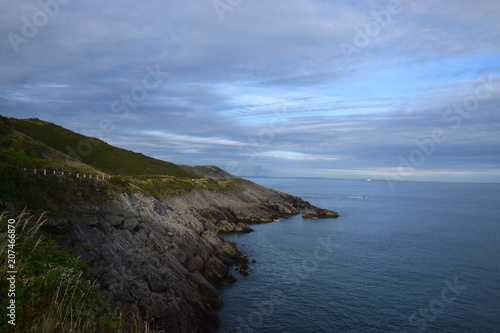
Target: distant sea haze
[425, 258]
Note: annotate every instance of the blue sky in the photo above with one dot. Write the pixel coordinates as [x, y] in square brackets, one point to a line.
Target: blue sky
[391, 90]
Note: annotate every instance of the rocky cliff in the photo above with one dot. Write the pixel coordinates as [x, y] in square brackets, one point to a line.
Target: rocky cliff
[159, 259]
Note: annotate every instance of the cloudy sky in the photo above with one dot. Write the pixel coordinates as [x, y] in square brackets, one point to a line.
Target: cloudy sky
[397, 90]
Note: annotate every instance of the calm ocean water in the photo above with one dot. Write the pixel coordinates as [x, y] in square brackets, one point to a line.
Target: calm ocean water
[425, 258]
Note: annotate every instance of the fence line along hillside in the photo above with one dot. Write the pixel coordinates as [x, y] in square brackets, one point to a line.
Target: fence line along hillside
[66, 173]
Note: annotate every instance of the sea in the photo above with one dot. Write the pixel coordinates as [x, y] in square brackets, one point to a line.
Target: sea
[419, 257]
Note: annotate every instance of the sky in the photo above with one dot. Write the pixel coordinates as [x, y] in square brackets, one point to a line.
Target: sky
[395, 90]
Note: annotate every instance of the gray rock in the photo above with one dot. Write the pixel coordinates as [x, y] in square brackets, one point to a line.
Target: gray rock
[215, 270]
[181, 250]
[130, 223]
[114, 220]
[157, 282]
[205, 289]
[195, 264]
[225, 226]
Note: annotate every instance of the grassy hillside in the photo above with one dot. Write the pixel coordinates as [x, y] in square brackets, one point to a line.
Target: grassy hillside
[19, 150]
[35, 144]
[89, 151]
[208, 171]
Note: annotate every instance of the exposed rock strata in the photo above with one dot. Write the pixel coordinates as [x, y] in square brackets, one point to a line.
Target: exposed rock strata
[159, 259]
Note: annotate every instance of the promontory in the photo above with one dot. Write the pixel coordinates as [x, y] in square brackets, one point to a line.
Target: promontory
[146, 232]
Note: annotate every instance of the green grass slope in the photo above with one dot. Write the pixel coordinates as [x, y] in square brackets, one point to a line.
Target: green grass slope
[210, 171]
[35, 144]
[90, 151]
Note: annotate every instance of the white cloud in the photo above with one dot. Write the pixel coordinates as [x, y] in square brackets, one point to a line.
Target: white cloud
[229, 79]
[292, 156]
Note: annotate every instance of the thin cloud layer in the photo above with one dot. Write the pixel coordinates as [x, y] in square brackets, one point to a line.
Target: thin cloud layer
[378, 89]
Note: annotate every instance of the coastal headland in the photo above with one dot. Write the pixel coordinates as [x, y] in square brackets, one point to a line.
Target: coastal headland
[149, 231]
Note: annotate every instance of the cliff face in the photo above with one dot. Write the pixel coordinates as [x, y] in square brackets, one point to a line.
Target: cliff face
[158, 259]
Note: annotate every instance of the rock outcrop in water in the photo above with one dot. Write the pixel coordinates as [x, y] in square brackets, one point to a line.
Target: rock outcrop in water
[315, 212]
[159, 259]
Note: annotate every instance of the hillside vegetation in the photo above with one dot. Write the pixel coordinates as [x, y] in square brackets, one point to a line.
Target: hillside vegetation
[90, 151]
[36, 144]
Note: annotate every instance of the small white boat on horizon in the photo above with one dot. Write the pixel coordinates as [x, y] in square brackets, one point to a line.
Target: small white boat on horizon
[369, 180]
